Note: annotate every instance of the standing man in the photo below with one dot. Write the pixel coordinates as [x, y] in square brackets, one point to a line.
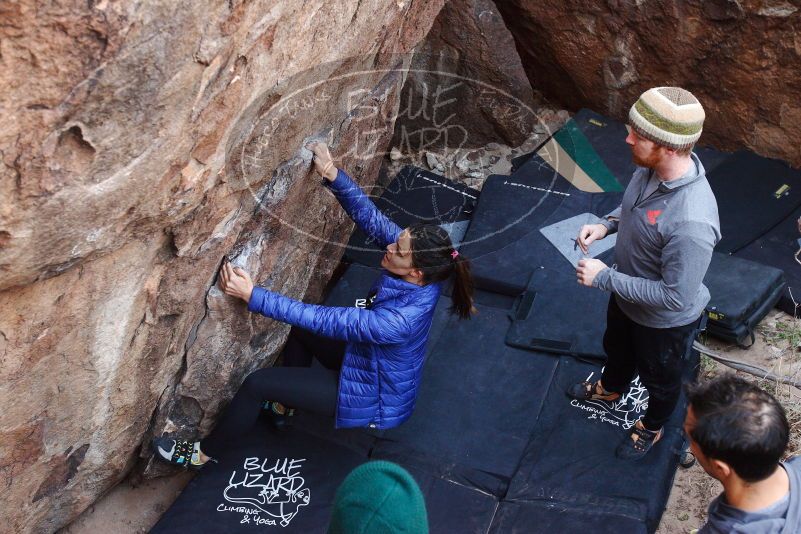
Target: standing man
[667, 226]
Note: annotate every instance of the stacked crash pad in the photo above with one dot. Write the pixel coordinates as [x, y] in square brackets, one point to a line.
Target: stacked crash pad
[557, 315]
[743, 293]
[504, 241]
[759, 202]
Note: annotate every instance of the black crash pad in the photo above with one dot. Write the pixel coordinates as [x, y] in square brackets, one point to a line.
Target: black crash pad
[281, 481]
[710, 157]
[572, 453]
[777, 248]
[479, 402]
[416, 196]
[327, 456]
[550, 514]
[556, 314]
[742, 292]
[353, 287]
[503, 240]
[286, 482]
[754, 194]
[452, 506]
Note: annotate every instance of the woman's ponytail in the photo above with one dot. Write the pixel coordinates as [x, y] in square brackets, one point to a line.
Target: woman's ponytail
[463, 288]
[434, 255]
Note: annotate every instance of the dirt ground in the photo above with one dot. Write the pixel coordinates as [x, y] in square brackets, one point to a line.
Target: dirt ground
[130, 508]
[135, 508]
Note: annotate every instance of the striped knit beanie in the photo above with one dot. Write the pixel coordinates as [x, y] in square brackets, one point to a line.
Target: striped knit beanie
[668, 116]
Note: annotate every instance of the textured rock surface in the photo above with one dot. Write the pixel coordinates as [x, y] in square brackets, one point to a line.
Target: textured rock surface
[141, 143]
[467, 87]
[742, 58]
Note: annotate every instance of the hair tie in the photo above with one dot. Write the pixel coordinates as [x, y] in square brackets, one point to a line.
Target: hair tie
[454, 254]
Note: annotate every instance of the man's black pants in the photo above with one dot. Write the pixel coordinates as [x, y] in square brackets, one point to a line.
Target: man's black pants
[659, 355]
[294, 384]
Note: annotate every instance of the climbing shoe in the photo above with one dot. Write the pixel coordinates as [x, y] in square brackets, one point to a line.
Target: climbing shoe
[585, 391]
[638, 443]
[181, 452]
[279, 415]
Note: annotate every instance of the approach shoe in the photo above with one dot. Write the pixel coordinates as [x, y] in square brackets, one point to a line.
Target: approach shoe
[280, 417]
[585, 391]
[638, 443]
[181, 452]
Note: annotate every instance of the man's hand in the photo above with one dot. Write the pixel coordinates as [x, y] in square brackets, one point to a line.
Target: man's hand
[323, 162]
[587, 271]
[235, 282]
[588, 234]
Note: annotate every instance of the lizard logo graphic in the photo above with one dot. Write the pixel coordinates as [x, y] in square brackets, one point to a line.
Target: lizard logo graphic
[623, 412]
[274, 488]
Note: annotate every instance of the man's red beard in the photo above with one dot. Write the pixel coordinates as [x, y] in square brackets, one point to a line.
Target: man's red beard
[650, 161]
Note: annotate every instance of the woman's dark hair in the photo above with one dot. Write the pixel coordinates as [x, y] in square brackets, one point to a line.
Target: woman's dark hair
[740, 424]
[434, 255]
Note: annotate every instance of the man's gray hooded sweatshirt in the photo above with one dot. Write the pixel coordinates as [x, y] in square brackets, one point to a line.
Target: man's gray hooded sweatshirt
[666, 234]
[783, 517]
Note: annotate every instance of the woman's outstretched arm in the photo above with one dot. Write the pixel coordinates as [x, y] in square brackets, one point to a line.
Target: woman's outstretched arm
[356, 204]
[382, 327]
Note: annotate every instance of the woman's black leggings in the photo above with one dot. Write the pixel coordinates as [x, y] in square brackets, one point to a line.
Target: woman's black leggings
[294, 384]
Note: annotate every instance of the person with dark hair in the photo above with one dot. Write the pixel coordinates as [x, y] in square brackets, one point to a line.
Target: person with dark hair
[739, 432]
[667, 226]
[372, 358]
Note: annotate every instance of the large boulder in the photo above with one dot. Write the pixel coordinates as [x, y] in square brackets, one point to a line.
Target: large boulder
[741, 58]
[142, 143]
[467, 87]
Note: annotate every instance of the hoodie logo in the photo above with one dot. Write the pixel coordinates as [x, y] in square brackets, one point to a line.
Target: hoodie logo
[652, 215]
[367, 304]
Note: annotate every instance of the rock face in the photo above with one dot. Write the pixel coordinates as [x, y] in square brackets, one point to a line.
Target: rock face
[467, 87]
[145, 142]
[741, 58]
[142, 143]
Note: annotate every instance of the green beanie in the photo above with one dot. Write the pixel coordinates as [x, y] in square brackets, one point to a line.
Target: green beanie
[379, 498]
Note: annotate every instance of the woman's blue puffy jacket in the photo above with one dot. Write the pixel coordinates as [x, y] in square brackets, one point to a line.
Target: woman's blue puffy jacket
[386, 346]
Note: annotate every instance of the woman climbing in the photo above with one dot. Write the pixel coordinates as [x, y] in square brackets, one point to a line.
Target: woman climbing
[371, 358]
